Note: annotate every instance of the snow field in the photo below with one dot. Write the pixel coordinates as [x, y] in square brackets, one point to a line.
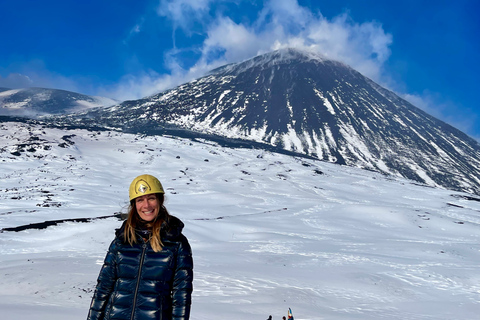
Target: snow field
[268, 231]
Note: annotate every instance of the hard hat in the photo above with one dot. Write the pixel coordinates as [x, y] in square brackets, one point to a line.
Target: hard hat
[143, 185]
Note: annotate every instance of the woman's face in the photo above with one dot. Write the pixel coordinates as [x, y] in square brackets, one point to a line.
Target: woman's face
[147, 207]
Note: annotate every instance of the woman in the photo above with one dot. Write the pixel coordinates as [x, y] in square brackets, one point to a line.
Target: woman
[148, 270]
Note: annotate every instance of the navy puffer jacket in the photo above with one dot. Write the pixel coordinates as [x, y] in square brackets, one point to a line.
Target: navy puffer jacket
[137, 283]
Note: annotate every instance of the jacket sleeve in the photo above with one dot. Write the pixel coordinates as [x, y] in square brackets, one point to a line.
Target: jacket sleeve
[182, 282]
[105, 284]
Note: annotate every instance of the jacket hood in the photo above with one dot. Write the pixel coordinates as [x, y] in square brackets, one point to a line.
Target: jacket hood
[173, 228]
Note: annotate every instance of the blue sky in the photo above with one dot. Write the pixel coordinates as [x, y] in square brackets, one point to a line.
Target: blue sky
[426, 51]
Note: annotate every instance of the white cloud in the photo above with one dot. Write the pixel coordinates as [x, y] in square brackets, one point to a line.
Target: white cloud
[286, 14]
[184, 13]
[279, 24]
[133, 31]
[35, 74]
[285, 23]
[15, 81]
[146, 84]
[236, 42]
[132, 87]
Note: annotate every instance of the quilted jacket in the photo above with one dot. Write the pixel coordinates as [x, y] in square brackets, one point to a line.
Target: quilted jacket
[137, 283]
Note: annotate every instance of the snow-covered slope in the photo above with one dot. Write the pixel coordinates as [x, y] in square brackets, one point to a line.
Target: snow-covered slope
[302, 102]
[268, 231]
[35, 102]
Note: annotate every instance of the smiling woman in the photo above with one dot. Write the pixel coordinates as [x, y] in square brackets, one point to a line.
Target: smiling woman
[147, 207]
[148, 270]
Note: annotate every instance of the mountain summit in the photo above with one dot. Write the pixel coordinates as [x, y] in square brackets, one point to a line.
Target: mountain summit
[36, 102]
[302, 102]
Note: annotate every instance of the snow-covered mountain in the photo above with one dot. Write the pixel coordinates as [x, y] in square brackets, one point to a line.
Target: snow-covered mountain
[303, 102]
[268, 231]
[35, 102]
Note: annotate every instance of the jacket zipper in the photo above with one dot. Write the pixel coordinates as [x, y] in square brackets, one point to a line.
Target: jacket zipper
[144, 246]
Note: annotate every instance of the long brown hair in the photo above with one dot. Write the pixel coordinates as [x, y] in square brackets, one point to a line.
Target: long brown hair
[154, 226]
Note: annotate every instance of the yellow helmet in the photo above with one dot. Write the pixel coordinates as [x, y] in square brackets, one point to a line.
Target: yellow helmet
[143, 185]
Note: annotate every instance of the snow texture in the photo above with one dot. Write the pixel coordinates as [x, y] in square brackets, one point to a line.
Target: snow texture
[268, 231]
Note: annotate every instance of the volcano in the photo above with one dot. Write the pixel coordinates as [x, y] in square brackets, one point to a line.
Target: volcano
[302, 102]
